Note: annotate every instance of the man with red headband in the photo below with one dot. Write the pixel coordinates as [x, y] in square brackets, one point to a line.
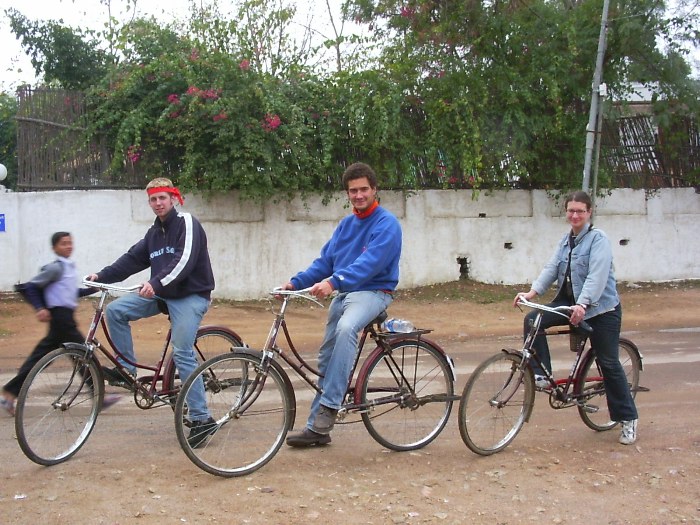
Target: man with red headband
[181, 281]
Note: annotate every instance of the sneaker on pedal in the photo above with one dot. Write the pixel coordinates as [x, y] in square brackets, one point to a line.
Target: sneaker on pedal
[542, 382]
[117, 377]
[200, 431]
[628, 435]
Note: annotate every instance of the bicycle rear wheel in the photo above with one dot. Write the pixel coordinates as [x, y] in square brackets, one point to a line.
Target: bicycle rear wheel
[410, 392]
[58, 406]
[496, 402]
[210, 342]
[253, 409]
[590, 388]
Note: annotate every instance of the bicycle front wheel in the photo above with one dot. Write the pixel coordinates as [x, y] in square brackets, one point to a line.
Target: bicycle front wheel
[253, 409]
[409, 393]
[58, 406]
[590, 388]
[496, 402]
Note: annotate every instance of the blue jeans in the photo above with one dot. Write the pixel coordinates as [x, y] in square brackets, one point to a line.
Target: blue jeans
[185, 316]
[605, 341]
[349, 313]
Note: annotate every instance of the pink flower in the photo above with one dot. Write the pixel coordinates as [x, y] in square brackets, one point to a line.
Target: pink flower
[174, 114]
[244, 64]
[173, 99]
[194, 55]
[271, 123]
[193, 90]
[220, 116]
[211, 94]
[408, 12]
[133, 153]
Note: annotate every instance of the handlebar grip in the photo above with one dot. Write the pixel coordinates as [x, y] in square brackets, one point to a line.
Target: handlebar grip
[583, 325]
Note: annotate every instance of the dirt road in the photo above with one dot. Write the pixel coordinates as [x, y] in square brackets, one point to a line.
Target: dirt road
[557, 471]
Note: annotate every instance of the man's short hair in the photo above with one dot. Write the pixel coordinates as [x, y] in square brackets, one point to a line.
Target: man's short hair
[56, 237]
[160, 182]
[359, 170]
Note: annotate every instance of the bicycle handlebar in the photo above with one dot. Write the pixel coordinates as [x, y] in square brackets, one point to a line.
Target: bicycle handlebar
[110, 287]
[304, 294]
[564, 311]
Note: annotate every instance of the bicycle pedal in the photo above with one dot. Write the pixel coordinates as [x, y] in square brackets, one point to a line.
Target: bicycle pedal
[591, 409]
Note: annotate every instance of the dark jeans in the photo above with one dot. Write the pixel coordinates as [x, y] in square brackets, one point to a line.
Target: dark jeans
[605, 341]
[62, 329]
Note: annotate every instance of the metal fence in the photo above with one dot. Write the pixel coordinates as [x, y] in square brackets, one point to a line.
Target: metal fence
[53, 152]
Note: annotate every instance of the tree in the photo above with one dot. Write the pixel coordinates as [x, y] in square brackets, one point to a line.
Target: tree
[8, 138]
[61, 54]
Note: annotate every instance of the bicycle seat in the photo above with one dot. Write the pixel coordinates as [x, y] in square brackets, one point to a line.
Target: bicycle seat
[379, 319]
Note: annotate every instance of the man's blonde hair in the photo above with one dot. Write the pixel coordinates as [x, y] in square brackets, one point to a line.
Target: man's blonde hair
[160, 182]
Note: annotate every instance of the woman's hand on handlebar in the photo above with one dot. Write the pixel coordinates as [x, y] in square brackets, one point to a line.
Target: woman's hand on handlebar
[523, 295]
[578, 312]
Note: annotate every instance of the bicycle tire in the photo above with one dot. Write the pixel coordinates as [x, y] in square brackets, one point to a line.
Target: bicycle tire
[422, 376]
[58, 405]
[254, 410]
[210, 342]
[589, 386]
[495, 404]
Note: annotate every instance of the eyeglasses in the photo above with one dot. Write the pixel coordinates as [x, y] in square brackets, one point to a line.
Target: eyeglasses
[576, 212]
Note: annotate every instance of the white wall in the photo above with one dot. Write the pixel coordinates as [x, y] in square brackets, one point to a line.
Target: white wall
[507, 236]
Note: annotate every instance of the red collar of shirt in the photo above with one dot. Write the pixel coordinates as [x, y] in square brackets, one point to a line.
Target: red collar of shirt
[367, 212]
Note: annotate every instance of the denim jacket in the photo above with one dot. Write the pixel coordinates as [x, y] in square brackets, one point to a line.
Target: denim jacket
[592, 274]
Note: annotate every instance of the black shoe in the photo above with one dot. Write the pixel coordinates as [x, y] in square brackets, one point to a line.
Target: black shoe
[117, 377]
[324, 421]
[307, 438]
[200, 432]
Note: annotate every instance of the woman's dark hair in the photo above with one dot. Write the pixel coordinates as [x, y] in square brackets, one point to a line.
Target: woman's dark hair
[359, 170]
[57, 237]
[579, 196]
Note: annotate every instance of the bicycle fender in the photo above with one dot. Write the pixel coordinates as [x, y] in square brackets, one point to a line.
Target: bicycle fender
[75, 346]
[512, 351]
[225, 329]
[636, 351]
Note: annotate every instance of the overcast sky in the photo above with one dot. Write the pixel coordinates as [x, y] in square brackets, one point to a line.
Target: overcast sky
[16, 68]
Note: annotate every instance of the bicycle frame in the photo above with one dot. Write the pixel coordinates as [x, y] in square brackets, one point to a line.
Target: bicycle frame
[353, 402]
[146, 390]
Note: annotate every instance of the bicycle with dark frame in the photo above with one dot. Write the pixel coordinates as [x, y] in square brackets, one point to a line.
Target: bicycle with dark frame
[60, 400]
[403, 393]
[499, 395]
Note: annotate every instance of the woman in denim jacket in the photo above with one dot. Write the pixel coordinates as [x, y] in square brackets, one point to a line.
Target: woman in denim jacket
[582, 265]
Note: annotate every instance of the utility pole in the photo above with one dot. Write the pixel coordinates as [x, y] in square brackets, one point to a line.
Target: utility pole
[591, 128]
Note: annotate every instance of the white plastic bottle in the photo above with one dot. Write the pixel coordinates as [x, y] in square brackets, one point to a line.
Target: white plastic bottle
[398, 326]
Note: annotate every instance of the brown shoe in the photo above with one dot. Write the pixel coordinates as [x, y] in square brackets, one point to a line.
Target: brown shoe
[307, 438]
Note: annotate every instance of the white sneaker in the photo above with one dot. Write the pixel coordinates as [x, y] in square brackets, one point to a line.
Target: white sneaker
[629, 432]
[542, 382]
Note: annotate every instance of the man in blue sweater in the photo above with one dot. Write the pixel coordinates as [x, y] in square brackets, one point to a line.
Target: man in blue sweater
[175, 249]
[361, 263]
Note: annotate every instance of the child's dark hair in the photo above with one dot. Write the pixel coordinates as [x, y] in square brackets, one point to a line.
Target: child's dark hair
[57, 237]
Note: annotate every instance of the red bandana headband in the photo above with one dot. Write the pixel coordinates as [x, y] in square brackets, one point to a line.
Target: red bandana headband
[172, 191]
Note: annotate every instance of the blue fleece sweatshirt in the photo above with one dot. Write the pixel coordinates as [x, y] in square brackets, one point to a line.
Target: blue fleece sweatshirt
[363, 254]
